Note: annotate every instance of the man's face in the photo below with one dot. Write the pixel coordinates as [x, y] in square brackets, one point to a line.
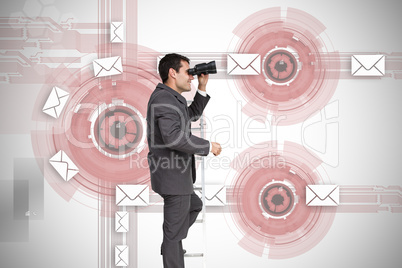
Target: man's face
[183, 79]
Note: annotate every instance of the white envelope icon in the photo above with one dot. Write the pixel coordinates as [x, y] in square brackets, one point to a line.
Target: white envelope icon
[132, 195]
[368, 65]
[108, 66]
[116, 32]
[121, 221]
[322, 195]
[64, 166]
[215, 195]
[55, 102]
[121, 255]
[244, 64]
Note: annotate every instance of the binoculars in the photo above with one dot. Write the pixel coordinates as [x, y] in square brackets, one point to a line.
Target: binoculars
[203, 68]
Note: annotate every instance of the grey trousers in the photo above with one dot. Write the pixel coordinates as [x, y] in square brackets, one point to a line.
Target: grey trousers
[179, 213]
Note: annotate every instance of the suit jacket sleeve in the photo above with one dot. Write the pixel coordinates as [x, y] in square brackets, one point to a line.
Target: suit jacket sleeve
[197, 106]
[174, 126]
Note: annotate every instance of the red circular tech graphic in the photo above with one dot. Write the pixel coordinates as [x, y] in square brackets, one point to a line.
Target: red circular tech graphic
[280, 66]
[117, 130]
[277, 199]
[268, 202]
[299, 69]
[101, 129]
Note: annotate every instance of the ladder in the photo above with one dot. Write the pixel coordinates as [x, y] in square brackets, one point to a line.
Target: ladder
[201, 188]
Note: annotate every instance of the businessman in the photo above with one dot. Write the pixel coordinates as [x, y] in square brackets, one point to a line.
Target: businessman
[171, 152]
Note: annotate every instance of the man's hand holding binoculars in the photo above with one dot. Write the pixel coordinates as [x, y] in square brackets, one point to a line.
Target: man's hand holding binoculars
[202, 71]
[202, 82]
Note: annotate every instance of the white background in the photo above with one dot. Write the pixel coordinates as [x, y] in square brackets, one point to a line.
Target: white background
[369, 137]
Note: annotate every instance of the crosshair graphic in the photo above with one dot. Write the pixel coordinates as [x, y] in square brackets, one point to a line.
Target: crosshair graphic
[281, 66]
[300, 69]
[117, 129]
[102, 130]
[268, 207]
[277, 199]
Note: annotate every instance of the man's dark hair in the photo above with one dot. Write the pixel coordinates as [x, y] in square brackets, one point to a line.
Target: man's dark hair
[172, 60]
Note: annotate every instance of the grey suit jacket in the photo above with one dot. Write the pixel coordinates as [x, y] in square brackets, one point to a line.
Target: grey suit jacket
[171, 144]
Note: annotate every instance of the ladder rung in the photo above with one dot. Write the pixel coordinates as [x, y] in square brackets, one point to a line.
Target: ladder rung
[194, 255]
[199, 221]
[197, 187]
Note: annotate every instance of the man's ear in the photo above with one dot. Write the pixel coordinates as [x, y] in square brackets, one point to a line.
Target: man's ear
[172, 73]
